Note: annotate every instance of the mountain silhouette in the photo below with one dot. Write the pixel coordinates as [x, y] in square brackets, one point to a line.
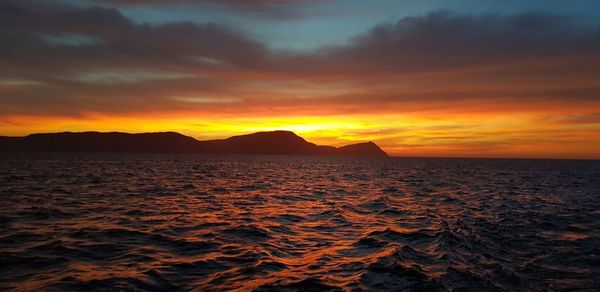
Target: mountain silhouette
[275, 142]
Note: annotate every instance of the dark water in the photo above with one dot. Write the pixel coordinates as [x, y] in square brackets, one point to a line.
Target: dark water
[169, 222]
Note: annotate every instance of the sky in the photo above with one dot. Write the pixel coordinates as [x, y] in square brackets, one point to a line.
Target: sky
[452, 78]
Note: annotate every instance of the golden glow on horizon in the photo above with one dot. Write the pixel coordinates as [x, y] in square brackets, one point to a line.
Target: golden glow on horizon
[499, 135]
[488, 87]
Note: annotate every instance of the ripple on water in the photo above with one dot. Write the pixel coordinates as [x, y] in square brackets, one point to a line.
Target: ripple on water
[193, 222]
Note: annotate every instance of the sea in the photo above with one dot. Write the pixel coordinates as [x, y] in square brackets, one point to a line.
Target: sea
[151, 222]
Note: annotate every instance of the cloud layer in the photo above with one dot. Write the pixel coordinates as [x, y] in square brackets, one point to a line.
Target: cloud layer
[64, 61]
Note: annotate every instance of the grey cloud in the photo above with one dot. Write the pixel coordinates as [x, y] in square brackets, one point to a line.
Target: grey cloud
[442, 40]
[266, 9]
[121, 43]
[438, 57]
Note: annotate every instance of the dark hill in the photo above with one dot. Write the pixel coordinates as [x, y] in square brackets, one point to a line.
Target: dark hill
[361, 149]
[101, 142]
[277, 142]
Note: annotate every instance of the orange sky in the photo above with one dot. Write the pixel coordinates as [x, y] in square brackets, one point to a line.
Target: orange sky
[441, 83]
[516, 134]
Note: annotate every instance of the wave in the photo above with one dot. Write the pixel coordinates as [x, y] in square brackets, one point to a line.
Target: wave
[177, 222]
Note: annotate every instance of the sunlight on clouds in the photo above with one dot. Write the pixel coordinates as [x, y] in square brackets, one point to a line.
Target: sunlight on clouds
[402, 135]
[11, 84]
[204, 99]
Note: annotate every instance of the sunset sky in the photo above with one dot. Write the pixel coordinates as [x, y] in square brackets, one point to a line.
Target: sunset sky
[475, 78]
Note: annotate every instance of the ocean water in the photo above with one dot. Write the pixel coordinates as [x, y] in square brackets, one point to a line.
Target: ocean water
[271, 223]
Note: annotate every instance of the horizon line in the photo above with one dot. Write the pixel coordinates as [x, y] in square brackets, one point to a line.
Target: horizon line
[354, 142]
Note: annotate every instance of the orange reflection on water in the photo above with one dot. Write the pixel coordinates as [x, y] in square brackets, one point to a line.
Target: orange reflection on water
[182, 222]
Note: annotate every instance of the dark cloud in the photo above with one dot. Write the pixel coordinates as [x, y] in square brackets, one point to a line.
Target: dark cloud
[63, 59]
[269, 9]
[120, 42]
[442, 40]
[239, 2]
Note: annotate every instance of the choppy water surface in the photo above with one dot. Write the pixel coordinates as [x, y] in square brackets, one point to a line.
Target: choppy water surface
[151, 222]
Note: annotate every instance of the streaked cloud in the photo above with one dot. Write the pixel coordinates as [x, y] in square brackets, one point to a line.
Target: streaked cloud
[195, 99]
[69, 40]
[124, 77]
[440, 82]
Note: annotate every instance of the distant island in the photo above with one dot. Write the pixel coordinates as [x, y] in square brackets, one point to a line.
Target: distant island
[268, 143]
